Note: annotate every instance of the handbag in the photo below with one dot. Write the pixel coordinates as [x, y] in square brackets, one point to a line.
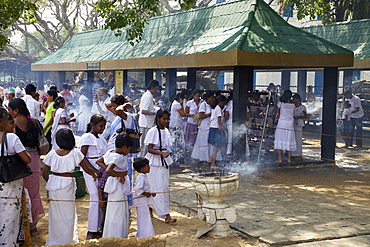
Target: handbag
[133, 133]
[44, 145]
[197, 120]
[12, 167]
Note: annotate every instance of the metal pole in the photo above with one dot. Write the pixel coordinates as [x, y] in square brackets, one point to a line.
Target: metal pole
[264, 126]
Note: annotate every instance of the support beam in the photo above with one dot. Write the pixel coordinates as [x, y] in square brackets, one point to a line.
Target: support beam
[191, 78]
[243, 82]
[171, 83]
[302, 84]
[148, 76]
[158, 76]
[61, 79]
[329, 113]
[285, 80]
[90, 83]
[125, 80]
[40, 80]
[347, 79]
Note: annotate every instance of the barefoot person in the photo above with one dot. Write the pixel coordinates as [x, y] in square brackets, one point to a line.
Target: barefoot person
[284, 134]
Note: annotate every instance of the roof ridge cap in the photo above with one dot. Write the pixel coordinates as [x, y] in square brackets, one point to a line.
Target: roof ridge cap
[249, 20]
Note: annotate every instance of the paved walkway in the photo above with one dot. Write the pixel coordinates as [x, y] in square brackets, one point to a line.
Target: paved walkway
[296, 206]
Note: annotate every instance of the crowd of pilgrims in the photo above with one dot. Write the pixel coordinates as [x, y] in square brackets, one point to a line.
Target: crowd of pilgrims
[198, 125]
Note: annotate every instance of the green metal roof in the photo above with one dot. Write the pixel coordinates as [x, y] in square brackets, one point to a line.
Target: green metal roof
[353, 35]
[249, 26]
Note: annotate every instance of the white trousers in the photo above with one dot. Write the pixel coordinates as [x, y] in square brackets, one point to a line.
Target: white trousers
[144, 222]
[116, 222]
[158, 178]
[62, 217]
[94, 216]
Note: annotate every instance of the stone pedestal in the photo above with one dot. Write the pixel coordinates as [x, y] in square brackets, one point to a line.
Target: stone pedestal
[217, 213]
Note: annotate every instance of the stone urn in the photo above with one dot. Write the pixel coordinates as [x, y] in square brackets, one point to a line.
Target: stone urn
[217, 213]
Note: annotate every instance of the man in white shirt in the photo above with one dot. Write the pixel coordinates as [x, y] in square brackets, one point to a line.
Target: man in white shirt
[357, 115]
[99, 106]
[47, 86]
[19, 91]
[147, 113]
[32, 105]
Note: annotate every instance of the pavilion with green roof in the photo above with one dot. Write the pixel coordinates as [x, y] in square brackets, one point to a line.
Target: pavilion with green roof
[241, 36]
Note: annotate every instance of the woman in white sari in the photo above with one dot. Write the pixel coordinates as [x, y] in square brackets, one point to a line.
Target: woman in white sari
[61, 120]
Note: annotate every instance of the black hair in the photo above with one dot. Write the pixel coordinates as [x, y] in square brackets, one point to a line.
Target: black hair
[285, 98]
[65, 139]
[119, 99]
[53, 94]
[65, 86]
[82, 90]
[95, 119]
[218, 99]
[347, 92]
[124, 140]
[10, 116]
[4, 113]
[140, 163]
[207, 95]
[347, 103]
[297, 96]
[197, 91]
[19, 104]
[153, 84]
[179, 96]
[161, 112]
[30, 88]
[58, 101]
[53, 87]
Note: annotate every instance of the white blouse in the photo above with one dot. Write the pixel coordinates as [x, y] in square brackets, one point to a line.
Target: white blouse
[206, 109]
[217, 112]
[193, 109]
[121, 165]
[176, 119]
[62, 164]
[142, 185]
[152, 137]
[97, 146]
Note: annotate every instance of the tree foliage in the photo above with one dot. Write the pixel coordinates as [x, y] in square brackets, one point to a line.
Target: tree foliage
[11, 11]
[132, 16]
[330, 10]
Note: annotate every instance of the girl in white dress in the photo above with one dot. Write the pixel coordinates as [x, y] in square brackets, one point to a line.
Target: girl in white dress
[158, 141]
[62, 186]
[202, 150]
[143, 199]
[61, 120]
[300, 114]
[116, 222]
[93, 146]
[11, 211]
[284, 134]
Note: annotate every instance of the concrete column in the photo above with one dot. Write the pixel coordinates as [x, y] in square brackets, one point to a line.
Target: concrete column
[89, 84]
[243, 82]
[319, 80]
[285, 80]
[171, 83]
[40, 80]
[61, 80]
[302, 84]
[191, 78]
[329, 113]
[148, 76]
[347, 79]
[125, 81]
[158, 76]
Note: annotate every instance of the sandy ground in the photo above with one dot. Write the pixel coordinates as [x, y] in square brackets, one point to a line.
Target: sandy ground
[339, 183]
[179, 234]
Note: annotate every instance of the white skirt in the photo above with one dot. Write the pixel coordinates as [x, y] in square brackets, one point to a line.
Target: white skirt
[285, 136]
[63, 216]
[117, 217]
[158, 179]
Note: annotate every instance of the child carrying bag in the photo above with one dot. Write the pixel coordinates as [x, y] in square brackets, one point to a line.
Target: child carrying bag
[12, 167]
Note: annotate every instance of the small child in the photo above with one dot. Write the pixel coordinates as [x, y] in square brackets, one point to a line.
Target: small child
[345, 128]
[118, 187]
[142, 199]
[62, 186]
